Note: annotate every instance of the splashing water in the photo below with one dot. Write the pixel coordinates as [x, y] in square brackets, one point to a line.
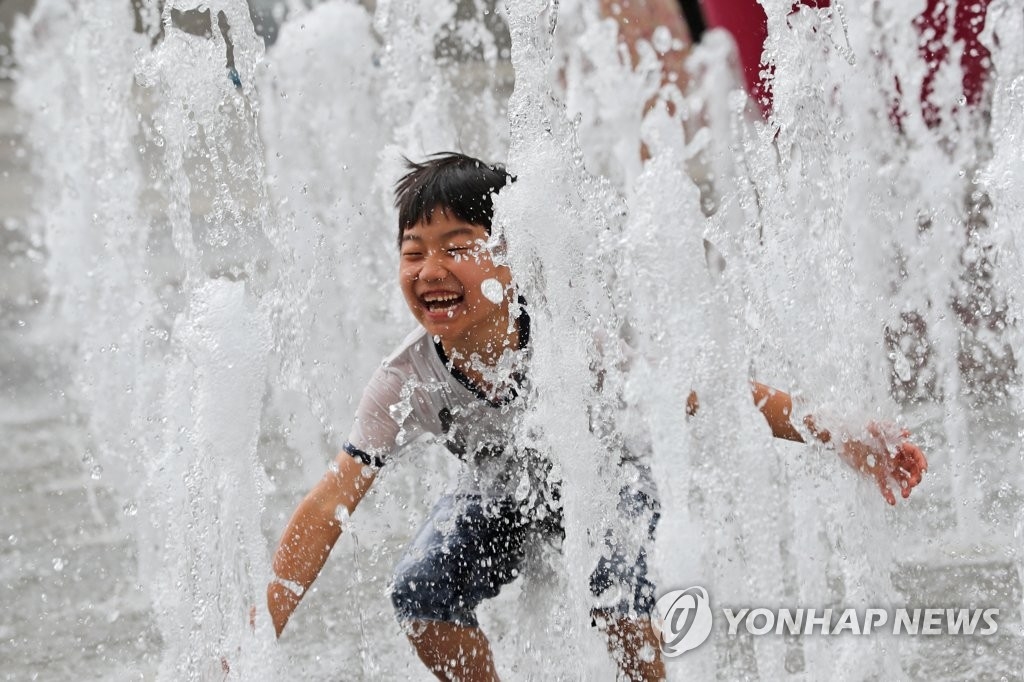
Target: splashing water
[221, 279]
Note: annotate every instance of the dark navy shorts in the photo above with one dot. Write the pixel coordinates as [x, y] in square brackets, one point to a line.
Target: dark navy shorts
[467, 551]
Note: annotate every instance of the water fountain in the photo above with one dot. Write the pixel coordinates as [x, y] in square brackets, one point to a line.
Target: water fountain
[219, 261]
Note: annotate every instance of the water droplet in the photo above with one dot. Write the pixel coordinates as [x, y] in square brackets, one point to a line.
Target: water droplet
[902, 367]
[492, 290]
[661, 40]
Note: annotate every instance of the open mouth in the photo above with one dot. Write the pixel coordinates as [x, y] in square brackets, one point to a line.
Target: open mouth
[441, 301]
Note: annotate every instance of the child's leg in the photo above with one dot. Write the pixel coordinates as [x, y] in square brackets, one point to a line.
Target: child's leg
[453, 652]
[461, 556]
[624, 593]
[634, 645]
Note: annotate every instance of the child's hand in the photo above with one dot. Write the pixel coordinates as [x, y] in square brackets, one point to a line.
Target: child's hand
[875, 456]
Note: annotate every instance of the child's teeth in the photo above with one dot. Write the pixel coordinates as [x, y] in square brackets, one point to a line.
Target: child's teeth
[441, 301]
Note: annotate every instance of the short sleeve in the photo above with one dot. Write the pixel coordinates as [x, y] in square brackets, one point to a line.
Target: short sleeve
[375, 433]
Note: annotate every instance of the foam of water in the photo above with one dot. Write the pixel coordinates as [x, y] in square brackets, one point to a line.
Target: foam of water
[222, 260]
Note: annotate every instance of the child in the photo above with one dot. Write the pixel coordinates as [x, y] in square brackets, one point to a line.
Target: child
[462, 376]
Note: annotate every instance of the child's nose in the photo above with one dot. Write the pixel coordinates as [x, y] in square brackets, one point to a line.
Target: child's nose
[433, 268]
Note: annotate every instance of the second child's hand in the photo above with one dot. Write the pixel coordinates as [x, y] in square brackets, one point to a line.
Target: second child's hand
[887, 458]
[883, 452]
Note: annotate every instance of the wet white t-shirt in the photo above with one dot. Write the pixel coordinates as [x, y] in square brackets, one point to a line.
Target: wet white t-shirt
[416, 391]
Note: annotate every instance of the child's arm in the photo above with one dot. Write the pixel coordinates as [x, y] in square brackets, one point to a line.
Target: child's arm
[311, 534]
[777, 406]
[638, 22]
[905, 464]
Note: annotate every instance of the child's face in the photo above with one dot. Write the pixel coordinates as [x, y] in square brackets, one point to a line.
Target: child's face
[444, 273]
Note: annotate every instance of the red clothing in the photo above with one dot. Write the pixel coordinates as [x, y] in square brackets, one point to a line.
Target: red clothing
[968, 21]
[746, 21]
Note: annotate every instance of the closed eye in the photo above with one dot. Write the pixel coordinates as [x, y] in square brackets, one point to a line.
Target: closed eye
[461, 252]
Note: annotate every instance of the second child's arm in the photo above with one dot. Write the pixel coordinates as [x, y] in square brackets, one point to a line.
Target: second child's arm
[311, 533]
[878, 454]
[777, 407]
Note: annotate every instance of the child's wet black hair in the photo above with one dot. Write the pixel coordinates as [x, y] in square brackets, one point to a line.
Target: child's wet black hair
[451, 182]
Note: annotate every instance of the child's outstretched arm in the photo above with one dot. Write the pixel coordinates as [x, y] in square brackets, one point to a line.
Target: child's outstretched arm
[311, 533]
[900, 462]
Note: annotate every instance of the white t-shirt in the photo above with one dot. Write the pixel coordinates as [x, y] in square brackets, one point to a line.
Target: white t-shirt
[416, 391]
